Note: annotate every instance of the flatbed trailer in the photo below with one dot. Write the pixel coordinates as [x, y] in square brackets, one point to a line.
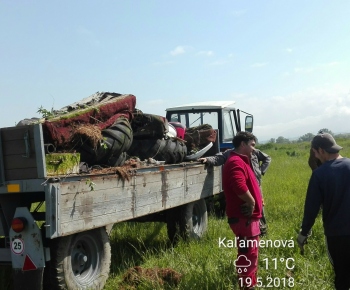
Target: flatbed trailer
[54, 228]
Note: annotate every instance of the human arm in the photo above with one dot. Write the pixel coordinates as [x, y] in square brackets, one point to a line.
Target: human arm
[216, 160]
[312, 205]
[249, 203]
[264, 159]
[239, 181]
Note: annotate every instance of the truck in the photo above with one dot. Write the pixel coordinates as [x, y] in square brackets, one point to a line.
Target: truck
[54, 228]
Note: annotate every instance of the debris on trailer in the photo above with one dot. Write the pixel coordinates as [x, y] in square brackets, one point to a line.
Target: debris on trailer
[62, 163]
[106, 129]
[199, 137]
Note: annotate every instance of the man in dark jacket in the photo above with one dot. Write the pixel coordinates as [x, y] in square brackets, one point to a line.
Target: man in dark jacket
[329, 188]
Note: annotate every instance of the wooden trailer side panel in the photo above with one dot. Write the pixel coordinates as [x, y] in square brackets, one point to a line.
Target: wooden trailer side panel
[83, 205]
[22, 152]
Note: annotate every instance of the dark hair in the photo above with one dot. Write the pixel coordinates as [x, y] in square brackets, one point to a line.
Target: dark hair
[242, 136]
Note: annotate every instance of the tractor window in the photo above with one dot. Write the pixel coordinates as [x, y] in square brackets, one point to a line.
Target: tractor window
[181, 118]
[201, 118]
[174, 118]
[227, 125]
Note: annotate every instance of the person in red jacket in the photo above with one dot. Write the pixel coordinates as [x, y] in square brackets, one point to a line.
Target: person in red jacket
[243, 205]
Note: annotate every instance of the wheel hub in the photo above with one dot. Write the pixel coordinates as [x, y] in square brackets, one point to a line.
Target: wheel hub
[80, 259]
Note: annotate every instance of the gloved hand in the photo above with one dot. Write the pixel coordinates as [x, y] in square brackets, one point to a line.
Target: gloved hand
[202, 160]
[247, 209]
[302, 240]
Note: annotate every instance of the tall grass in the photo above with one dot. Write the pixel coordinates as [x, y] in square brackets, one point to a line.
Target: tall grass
[204, 264]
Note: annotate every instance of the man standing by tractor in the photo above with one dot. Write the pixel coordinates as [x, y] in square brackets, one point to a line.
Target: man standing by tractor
[243, 205]
[260, 163]
[329, 188]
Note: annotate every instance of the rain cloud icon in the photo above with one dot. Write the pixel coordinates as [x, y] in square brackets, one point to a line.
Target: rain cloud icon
[242, 262]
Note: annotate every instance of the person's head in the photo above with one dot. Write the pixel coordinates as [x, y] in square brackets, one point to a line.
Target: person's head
[244, 143]
[324, 145]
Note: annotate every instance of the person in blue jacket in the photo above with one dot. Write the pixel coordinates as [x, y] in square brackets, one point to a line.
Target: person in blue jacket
[329, 188]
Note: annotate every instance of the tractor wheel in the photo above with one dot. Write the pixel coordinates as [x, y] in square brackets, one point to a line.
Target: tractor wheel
[169, 150]
[79, 261]
[117, 139]
[189, 221]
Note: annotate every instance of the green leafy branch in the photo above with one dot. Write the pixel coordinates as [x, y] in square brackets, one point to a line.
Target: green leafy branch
[45, 113]
[91, 184]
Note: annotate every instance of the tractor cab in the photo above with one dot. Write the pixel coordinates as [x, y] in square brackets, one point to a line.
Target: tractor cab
[221, 115]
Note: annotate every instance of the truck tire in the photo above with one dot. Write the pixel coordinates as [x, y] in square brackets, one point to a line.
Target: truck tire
[170, 150]
[189, 221]
[79, 261]
[117, 139]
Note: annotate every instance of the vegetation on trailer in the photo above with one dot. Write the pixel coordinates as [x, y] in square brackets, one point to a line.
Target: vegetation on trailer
[62, 163]
[50, 115]
[45, 113]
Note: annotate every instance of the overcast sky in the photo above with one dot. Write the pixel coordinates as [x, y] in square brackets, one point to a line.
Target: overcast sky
[286, 62]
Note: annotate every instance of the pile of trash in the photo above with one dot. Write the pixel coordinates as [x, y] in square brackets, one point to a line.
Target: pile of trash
[107, 129]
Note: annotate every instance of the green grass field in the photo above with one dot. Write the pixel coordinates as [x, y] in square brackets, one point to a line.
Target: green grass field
[204, 264]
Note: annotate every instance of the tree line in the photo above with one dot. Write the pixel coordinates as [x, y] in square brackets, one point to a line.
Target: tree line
[308, 137]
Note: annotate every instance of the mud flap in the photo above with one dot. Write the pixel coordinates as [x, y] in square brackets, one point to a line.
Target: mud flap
[27, 280]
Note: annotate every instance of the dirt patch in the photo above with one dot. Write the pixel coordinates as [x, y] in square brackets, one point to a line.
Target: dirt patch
[157, 276]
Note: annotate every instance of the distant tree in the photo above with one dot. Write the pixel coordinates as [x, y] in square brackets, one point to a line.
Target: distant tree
[272, 140]
[342, 136]
[306, 137]
[281, 140]
[325, 130]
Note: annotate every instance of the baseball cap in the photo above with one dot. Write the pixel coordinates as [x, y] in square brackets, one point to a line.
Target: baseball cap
[326, 142]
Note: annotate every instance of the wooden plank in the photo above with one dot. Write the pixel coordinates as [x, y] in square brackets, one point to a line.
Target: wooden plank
[90, 210]
[100, 217]
[71, 200]
[154, 176]
[113, 200]
[101, 183]
[80, 225]
[159, 197]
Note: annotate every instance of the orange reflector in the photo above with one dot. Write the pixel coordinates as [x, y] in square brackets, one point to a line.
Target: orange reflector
[18, 224]
[13, 188]
[28, 264]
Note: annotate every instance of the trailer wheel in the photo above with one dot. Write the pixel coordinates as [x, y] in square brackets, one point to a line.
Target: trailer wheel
[80, 261]
[189, 221]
